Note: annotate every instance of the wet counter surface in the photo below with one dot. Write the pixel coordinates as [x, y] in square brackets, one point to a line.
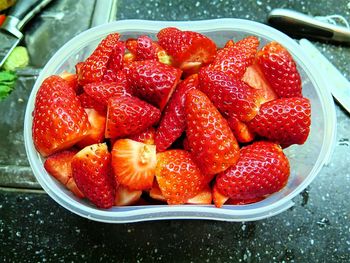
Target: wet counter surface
[34, 228]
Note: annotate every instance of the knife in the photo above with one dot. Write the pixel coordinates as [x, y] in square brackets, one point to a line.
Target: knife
[298, 24]
[18, 16]
[338, 85]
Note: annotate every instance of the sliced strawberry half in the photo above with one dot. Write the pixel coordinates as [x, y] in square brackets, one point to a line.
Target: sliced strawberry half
[115, 62]
[235, 60]
[187, 46]
[87, 102]
[218, 198]
[178, 177]
[230, 43]
[173, 121]
[204, 197]
[285, 121]
[262, 169]
[91, 168]
[147, 136]
[59, 166]
[129, 116]
[95, 66]
[72, 80]
[280, 70]
[156, 193]
[96, 132]
[153, 81]
[240, 130]
[134, 163]
[254, 77]
[124, 196]
[231, 96]
[211, 142]
[59, 120]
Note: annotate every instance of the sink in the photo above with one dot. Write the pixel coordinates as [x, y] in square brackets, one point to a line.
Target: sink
[44, 35]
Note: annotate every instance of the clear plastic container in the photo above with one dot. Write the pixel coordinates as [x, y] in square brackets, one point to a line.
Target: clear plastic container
[306, 160]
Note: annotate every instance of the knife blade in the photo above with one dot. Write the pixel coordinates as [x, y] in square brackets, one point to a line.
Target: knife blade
[338, 85]
[18, 16]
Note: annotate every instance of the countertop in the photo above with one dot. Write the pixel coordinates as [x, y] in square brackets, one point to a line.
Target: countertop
[34, 228]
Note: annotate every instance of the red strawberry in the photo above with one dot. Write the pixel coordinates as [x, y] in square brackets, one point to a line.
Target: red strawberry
[89, 103]
[125, 196]
[280, 70]
[95, 65]
[91, 169]
[218, 198]
[254, 77]
[129, 116]
[59, 166]
[153, 81]
[262, 169]
[72, 80]
[173, 122]
[115, 62]
[146, 136]
[145, 49]
[156, 193]
[285, 121]
[78, 68]
[131, 45]
[186, 46]
[212, 144]
[231, 96]
[97, 130]
[59, 120]
[235, 60]
[101, 92]
[240, 130]
[178, 176]
[134, 164]
[204, 197]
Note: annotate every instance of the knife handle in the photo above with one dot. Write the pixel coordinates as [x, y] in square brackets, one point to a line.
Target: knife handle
[301, 25]
[24, 10]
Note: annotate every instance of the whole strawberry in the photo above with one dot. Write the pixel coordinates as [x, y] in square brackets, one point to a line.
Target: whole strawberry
[173, 121]
[235, 60]
[59, 120]
[129, 116]
[186, 47]
[280, 70]
[285, 121]
[178, 177]
[262, 169]
[95, 66]
[231, 96]
[153, 81]
[212, 144]
[91, 168]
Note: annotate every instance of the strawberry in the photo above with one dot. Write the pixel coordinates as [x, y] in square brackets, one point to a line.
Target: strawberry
[88, 102]
[115, 62]
[156, 193]
[153, 81]
[204, 197]
[72, 80]
[212, 144]
[280, 70]
[97, 130]
[129, 58]
[95, 65]
[285, 121]
[186, 46]
[234, 60]
[218, 198]
[173, 122]
[101, 92]
[231, 96]
[128, 116]
[59, 166]
[254, 77]
[134, 163]
[230, 43]
[262, 169]
[125, 196]
[240, 130]
[131, 44]
[146, 49]
[78, 68]
[59, 120]
[91, 168]
[178, 176]
[146, 136]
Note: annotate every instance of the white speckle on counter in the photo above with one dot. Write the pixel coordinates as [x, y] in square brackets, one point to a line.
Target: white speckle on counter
[197, 4]
[312, 242]
[258, 2]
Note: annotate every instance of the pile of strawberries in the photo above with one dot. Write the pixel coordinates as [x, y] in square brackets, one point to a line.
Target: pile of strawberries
[175, 121]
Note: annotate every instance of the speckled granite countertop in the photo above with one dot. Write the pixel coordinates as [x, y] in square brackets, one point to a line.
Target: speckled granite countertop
[33, 228]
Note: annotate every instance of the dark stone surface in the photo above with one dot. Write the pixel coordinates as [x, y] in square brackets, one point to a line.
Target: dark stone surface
[33, 228]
